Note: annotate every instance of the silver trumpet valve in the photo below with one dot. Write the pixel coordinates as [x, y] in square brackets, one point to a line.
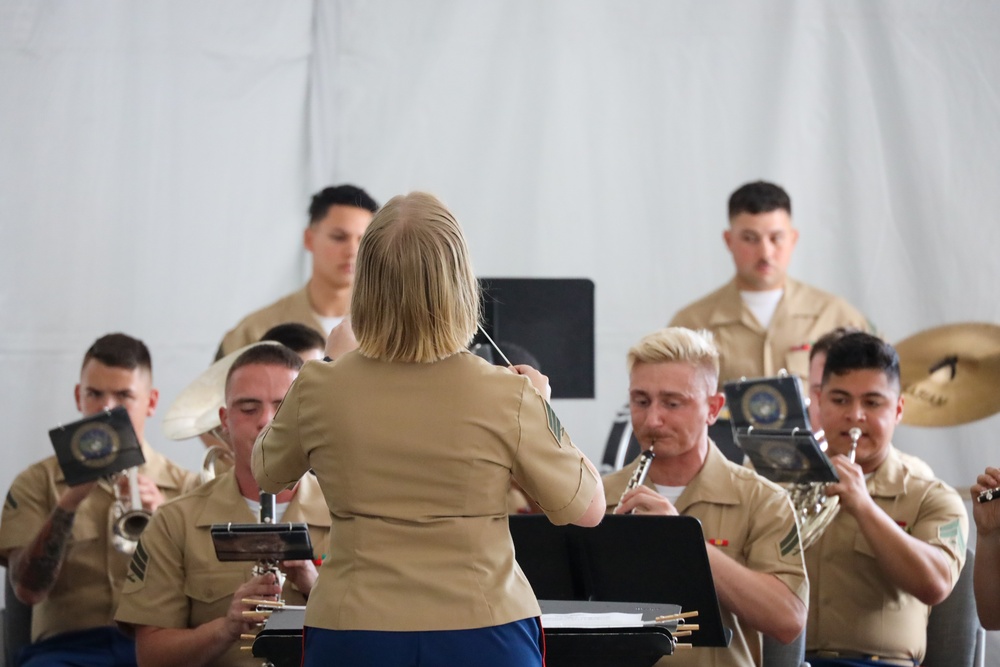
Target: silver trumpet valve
[855, 434]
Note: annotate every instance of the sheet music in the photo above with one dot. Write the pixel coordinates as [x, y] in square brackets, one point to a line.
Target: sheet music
[585, 620]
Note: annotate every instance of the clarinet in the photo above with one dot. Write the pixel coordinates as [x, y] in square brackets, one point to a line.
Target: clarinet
[639, 474]
[989, 494]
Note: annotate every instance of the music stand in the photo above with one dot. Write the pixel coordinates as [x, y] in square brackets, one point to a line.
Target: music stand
[280, 642]
[551, 318]
[627, 558]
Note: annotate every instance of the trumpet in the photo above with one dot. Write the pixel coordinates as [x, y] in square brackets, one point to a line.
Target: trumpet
[130, 516]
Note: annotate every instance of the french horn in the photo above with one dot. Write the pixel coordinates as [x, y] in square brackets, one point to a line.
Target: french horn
[815, 510]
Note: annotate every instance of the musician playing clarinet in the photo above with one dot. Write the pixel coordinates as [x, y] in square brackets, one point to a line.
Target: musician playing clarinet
[414, 441]
[184, 606]
[898, 543]
[749, 523]
[986, 579]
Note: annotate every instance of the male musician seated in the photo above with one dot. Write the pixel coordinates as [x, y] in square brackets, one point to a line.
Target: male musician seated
[897, 544]
[57, 541]
[986, 578]
[184, 606]
[749, 523]
[300, 339]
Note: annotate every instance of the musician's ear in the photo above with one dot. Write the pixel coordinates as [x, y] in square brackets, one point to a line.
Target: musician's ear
[715, 403]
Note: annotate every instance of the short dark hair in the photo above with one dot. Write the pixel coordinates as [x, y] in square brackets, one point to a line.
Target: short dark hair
[265, 355]
[339, 195]
[826, 341]
[862, 351]
[120, 350]
[297, 337]
[759, 197]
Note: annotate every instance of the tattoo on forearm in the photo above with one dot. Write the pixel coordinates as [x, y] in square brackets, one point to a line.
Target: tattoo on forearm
[41, 564]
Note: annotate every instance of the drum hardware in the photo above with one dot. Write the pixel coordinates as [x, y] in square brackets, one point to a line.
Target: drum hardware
[131, 518]
[949, 374]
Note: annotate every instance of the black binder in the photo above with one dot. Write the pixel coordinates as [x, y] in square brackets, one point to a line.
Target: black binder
[96, 446]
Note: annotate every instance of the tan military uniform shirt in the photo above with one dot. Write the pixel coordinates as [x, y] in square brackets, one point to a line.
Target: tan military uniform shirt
[293, 308]
[749, 519]
[86, 592]
[852, 605]
[415, 461]
[747, 349]
[175, 579]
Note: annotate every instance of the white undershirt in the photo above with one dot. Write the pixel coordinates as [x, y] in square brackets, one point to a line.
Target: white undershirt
[329, 322]
[762, 304]
[254, 505]
[671, 493]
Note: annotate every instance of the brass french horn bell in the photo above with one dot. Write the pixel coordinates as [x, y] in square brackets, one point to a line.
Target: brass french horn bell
[195, 411]
[950, 374]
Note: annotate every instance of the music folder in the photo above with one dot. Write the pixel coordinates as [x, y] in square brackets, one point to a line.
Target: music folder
[262, 541]
[96, 446]
[771, 424]
[626, 558]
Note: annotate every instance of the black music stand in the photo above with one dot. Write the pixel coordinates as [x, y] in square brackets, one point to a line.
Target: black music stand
[627, 558]
[280, 642]
[551, 318]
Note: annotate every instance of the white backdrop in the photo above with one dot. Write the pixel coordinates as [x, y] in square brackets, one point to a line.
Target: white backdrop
[156, 159]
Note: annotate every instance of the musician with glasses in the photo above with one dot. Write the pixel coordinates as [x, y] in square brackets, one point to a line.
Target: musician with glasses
[183, 605]
[898, 543]
[986, 579]
[762, 319]
[57, 541]
[749, 523]
[338, 217]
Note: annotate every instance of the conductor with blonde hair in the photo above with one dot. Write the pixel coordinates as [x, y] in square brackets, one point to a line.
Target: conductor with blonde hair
[414, 442]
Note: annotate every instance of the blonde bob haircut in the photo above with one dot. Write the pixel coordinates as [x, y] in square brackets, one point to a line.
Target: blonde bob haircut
[415, 297]
[679, 344]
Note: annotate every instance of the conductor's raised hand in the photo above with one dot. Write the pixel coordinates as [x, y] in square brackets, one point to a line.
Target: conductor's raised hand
[538, 381]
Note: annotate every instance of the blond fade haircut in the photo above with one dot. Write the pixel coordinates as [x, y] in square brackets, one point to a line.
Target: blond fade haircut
[415, 297]
[682, 345]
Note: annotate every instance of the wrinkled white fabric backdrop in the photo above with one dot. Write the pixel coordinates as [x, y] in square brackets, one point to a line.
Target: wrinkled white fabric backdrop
[156, 159]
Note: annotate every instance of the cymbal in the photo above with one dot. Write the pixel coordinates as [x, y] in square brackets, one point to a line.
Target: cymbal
[195, 411]
[950, 374]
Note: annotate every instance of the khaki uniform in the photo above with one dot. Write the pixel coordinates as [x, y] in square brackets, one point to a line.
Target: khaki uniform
[293, 308]
[852, 607]
[749, 519]
[415, 461]
[746, 349]
[176, 581]
[86, 592]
